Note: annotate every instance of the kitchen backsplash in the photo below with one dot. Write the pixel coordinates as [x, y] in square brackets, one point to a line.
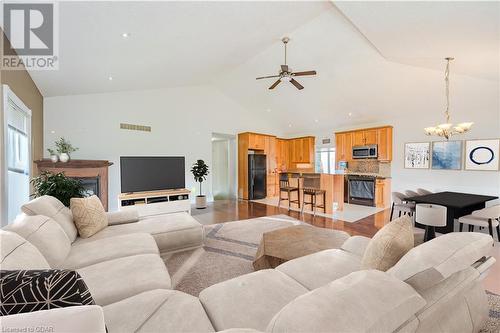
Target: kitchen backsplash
[370, 166]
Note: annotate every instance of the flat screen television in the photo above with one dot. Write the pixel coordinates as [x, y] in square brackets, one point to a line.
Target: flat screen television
[152, 173]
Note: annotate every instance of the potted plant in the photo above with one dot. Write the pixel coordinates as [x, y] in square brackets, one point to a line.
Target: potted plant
[64, 148]
[200, 172]
[53, 155]
[57, 185]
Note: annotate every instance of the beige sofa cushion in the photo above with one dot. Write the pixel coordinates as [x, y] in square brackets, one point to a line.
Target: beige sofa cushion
[17, 253]
[318, 269]
[45, 234]
[363, 301]
[53, 208]
[89, 215]
[157, 310]
[114, 280]
[249, 300]
[389, 244]
[435, 260]
[171, 232]
[356, 245]
[100, 250]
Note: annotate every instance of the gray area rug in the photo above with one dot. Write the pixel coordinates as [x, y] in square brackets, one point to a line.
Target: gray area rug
[229, 252]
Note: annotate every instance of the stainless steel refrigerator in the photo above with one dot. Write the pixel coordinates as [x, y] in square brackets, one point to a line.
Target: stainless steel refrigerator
[257, 176]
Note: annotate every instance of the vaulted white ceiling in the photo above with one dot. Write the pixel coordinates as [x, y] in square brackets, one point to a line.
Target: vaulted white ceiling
[372, 58]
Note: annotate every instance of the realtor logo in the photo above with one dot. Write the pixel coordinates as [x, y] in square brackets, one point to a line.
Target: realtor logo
[31, 31]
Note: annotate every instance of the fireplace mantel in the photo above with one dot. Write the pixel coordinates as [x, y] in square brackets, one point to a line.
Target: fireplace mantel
[81, 169]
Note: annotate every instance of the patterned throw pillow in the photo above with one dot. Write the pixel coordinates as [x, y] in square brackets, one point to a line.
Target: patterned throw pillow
[89, 215]
[35, 290]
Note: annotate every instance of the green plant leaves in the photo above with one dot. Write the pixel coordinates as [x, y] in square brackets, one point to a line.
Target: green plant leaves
[57, 185]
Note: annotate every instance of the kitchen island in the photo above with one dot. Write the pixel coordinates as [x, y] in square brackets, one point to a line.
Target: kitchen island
[332, 184]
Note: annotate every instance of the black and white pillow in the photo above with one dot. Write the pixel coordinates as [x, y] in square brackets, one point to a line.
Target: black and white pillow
[34, 290]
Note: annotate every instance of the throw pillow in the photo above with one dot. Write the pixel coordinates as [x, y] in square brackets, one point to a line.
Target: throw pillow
[89, 215]
[389, 244]
[34, 290]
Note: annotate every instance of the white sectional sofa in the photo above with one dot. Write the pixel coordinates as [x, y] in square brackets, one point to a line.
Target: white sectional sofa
[435, 287]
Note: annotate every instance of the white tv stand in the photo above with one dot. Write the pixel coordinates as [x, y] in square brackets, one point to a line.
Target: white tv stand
[156, 202]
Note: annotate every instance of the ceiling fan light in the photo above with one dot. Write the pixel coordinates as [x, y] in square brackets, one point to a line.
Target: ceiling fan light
[286, 78]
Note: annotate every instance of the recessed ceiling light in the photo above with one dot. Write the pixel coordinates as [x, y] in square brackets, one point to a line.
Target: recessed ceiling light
[125, 35]
[350, 114]
[53, 132]
[316, 120]
[268, 110]
[289, 125]
[110, 78]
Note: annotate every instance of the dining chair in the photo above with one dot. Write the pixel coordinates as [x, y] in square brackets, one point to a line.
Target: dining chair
[488, 217]
[431, 216]
[311, 187]
[285, 187]
[410, 193]
[399, 204]
[422, 191]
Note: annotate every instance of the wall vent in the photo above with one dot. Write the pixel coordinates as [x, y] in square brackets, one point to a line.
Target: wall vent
[325, 141]
[134, 127]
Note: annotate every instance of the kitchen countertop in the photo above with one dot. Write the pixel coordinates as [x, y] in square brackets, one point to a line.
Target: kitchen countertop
[338, 172]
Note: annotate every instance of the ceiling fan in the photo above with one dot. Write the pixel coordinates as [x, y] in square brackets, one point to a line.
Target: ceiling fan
[286, 73]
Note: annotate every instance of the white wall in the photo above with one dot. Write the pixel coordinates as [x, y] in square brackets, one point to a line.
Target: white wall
[182, 121]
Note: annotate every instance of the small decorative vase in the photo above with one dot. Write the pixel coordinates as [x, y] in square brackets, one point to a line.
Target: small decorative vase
[54, 158]
[64, 157]
[201, 202]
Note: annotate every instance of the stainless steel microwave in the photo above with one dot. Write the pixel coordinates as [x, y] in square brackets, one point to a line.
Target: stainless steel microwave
[369, 151]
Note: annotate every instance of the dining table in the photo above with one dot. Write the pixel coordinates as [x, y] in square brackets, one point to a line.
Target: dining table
[457, 205]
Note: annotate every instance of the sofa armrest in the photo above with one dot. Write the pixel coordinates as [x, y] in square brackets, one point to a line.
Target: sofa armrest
[74, 319]
[122, 217]
[356, 245]
[363, 301]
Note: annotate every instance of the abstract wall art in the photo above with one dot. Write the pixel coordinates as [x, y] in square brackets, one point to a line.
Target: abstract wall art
[446, 155]
[417, 155]
[482, 155]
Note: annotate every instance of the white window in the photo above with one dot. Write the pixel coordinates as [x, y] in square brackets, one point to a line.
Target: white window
[17, 156]
[325, 160]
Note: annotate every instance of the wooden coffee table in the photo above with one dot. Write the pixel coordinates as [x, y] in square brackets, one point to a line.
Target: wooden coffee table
[279, 246]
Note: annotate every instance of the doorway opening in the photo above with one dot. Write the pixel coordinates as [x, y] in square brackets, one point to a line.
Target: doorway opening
[223, 166]
[17, 154]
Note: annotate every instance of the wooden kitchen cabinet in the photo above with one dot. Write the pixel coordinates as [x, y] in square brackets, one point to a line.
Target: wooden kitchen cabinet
[382, 192]
[381, 136]
[302, 150]
[256, 141]
[282, 154]
[384, 143]
[365, 137]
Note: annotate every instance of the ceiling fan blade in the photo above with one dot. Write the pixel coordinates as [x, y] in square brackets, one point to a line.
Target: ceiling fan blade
[284, 68]
[296, 84]
[267, 77]
[274, 84]
[304, 73]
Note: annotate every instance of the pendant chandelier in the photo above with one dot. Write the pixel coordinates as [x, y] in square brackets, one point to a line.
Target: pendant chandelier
[447, 129]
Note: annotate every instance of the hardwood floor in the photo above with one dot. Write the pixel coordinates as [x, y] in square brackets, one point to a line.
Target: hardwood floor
[233, 210]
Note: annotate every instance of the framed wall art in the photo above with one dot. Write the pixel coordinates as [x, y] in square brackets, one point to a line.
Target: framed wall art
[482, 155]
[417, 155]
[446, 155]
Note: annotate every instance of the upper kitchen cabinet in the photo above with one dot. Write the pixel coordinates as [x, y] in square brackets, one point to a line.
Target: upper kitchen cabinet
[365, 137]
[380, 136]
[384, 143]
[302, 150]
[282, 154]
[256, 141]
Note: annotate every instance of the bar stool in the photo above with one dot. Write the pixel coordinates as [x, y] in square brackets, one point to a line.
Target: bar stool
[286, 188]
[431, 216]
[312, 188]
[483, 218]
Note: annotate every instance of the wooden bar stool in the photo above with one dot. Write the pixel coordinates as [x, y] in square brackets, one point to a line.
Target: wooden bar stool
[285, 187]
[312, 188]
